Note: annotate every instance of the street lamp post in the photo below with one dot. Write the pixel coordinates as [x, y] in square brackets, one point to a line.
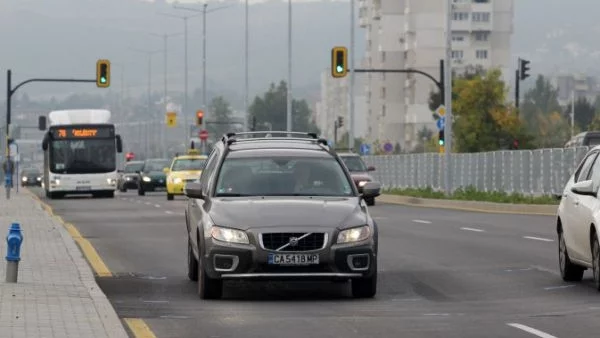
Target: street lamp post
[246, 89]
[289, 85]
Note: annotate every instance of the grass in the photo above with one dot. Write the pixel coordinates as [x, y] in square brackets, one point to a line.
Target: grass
[472, 194]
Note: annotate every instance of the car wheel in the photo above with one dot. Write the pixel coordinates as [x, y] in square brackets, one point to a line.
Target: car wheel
[123, 189]
[141, 192]
[365, 287]
[192, 264]
[568, 271]
[208, 288]
[371, 201]
[169, 197]
[596, 262]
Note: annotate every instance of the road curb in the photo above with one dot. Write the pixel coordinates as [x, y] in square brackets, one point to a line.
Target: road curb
[107, 314]
[472, 206]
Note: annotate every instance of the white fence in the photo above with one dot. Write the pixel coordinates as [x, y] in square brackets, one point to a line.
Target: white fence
[531, 172]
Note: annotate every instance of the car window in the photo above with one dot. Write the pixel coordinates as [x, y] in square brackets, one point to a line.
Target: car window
[208, 169]
[188, 164]
[354, 163]
[282, 176]
[156, 165]
[582, 173]
[133, 167]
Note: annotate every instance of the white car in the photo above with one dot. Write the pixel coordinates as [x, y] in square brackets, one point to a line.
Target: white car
[579, 221]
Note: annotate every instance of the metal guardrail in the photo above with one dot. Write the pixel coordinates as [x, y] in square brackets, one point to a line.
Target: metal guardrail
[530, 172]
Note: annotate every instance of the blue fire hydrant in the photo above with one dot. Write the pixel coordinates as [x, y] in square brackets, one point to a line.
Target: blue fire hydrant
[14, 239]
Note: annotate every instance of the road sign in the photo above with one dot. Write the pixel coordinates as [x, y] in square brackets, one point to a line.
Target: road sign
[441, 123]
[388, 147]
[203, 134]
[365, 149]
[441, 110]
[171, 119]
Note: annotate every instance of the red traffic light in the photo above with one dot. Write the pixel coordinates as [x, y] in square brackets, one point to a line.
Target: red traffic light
[129, 156]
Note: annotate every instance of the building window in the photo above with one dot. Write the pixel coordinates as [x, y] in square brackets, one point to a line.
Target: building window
[383, 109]
[481, 17]
[460, 16]
[458, 38]
[482, 36]
[382, 57]
[383, 92]
[481, 54]
[457, 54]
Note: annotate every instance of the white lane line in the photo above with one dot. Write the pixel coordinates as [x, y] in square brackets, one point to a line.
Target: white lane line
[138, 202]
[539, 239]
[559, 287]
[177, 317]
[421, 221]
[147, 203]
[380, 217]
[157, 205]
[168, 212]
[531, 330]
[472, 229]
[156, 301]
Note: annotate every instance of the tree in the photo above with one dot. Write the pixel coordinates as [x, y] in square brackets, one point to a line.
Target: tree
[554, 130]
[435, 97]
[219, 121]
[483, 121]
[584, 113]
[270, 110]
[539, 102]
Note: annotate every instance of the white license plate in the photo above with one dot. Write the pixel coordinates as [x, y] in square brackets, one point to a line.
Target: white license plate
[293, 259]
[83, 188]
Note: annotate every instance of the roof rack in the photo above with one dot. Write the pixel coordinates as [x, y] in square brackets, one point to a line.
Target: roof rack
[231, 138]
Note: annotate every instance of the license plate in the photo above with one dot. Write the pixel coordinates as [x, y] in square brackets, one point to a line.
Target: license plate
[293, 259]
[83, 188]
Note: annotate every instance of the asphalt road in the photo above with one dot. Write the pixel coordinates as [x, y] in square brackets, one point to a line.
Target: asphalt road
[442, 274]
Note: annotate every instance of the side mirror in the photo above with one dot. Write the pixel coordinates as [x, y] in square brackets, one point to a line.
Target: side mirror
[119, 144]
[166, 170]
[371, 189]
[193, 190]
[370, 168]
[138, 172]
[42, 123]
[584, 188]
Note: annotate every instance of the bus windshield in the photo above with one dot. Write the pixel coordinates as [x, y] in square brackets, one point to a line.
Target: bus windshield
[87, 156]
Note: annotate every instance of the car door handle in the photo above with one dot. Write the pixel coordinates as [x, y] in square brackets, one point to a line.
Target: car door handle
[576, 202]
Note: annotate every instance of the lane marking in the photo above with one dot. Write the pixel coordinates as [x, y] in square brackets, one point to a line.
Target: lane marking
[138, 202]
[89, 252]
[421, 221]
[531, 330]
[559, 287]
[511, 270]
[174, 317]
[147, 203]
[380, 217]
[472, 229]
[139, 328]
[168, 212]
[156, 301]
[157, 205]
[539, 239]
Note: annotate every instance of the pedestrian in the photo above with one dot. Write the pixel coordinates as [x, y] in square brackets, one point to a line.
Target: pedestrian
[8, 167]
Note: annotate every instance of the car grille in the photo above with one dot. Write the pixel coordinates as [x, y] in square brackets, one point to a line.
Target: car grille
[282, 241]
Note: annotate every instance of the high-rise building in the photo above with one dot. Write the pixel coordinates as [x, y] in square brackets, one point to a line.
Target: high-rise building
[402, 34]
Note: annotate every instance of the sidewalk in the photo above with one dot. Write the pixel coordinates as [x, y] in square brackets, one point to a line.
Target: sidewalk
[56, 294]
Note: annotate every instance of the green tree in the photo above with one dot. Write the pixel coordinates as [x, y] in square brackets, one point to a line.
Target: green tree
[219, 120]
[483, 121]
[584, 113]
[538, 103]
[270, 110]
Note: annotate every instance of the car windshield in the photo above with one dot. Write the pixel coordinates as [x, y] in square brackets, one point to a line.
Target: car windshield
[282, 176]
[354, 163]
[31, 172]
[188, 164]
[157, 165]
[83, 156]
[133, 167]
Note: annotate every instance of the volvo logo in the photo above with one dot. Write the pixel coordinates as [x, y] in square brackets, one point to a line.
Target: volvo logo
[293, 241]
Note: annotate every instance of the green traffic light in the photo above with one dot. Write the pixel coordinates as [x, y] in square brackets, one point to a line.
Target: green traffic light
[103, 80]
[441, 142]
[339, 69]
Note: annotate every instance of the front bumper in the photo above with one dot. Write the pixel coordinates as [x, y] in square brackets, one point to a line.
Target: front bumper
[154, 184]
[251, 261]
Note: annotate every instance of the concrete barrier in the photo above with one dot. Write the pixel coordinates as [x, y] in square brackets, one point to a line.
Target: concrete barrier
[474, 206]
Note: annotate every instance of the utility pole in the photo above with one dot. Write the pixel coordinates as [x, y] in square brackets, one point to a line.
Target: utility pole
[448, 101]
[352, 76]
[246, 80]
[289, 84]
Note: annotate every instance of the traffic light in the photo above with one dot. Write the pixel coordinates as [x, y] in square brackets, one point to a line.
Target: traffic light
[339, 61]
[199, 116]
[103, 73]
[515, 144]
[441, 140]
[523, 69]
[340, 121]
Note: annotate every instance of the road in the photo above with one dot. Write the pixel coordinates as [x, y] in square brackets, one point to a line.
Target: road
[442, 273]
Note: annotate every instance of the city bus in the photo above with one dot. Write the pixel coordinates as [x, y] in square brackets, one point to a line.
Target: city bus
[80, 153]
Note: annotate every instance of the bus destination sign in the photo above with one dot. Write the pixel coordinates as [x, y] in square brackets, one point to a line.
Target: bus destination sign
[82, 132]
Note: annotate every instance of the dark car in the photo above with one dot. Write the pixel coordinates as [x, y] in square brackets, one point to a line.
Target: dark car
[31, 177]
[359, 172]
[129, 176]
[278, 208]
[152, 177]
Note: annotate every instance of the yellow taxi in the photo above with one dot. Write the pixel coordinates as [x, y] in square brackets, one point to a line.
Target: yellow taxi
[183, 169]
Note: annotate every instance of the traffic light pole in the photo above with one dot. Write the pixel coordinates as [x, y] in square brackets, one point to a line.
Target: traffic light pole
[517, 84]
[10, 91]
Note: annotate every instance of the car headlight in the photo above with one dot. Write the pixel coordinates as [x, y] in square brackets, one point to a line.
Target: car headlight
[55, 182]
[362, 183]
[146, 179]
[111, 181]
[229, 235]
[128, 178]
[177, 180]
[39, 178]
[354, 235]
[24, 179]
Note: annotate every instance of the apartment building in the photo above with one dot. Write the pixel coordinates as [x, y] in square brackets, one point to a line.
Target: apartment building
[404, 34]
[578, 85]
